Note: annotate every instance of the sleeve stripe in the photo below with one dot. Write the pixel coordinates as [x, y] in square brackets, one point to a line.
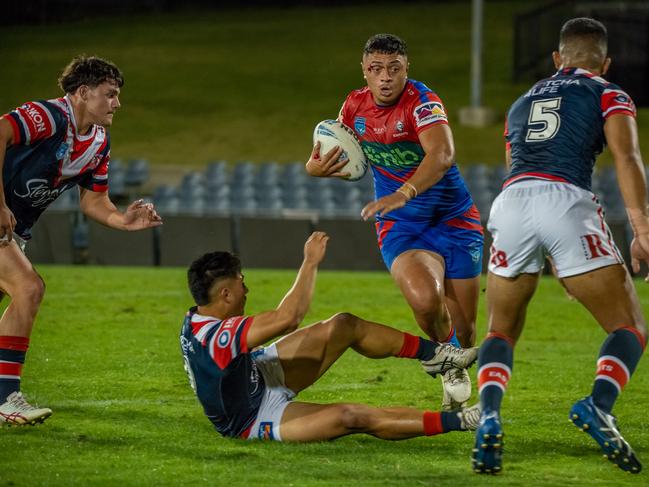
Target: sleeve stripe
[619, 111]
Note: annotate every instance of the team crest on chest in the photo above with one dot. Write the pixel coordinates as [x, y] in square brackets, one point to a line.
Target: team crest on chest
[359, 125]
[62, 151]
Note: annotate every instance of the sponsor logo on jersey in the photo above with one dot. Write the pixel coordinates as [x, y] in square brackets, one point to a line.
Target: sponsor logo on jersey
[429, 112]
[254, 378]
[39, 193]
[359, 125]
[622, 99]
[36, 117]
[186, 345]
[379, 130]
[266, 431]
[401, 155]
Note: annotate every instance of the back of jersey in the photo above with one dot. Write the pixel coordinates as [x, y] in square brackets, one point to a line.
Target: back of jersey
[556, 130]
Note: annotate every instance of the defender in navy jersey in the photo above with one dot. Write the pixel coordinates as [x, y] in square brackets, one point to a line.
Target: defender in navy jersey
[554, 133]
[427, 226]
[247, 391]
[47, 147]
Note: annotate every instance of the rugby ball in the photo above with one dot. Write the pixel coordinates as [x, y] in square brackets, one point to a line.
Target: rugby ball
[331, 133]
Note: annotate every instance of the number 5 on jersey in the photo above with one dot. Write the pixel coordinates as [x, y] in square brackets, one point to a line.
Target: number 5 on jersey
[544, 116]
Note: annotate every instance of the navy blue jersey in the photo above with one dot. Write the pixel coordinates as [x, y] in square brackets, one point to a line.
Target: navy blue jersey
[221, 370]
[49, 156]
[556, 130]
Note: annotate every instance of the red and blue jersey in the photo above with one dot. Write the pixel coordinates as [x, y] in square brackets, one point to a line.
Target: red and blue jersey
[556, 130]
[49, 156]
[389, 136]
[221, 370]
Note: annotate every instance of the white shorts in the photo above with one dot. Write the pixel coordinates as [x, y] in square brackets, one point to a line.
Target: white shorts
[276, 397]
[532, 219]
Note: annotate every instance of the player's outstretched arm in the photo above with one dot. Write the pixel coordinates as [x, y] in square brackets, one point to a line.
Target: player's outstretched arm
[7, 219]
[326, 165]
[137, 216]
[291, 310]
[437, 142]
[622, 137]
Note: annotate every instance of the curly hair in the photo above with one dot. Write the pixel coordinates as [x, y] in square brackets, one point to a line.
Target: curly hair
[90, 71]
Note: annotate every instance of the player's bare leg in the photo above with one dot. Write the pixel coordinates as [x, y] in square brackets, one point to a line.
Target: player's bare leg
[316, 422]
[25, 287]
[462, 303]
[307, 353]
[420, 277]
[610, 296]
[507, 301]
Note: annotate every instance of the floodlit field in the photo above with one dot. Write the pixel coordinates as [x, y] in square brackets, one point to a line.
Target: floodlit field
[105, 357]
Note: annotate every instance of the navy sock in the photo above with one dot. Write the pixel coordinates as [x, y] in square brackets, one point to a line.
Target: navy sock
[450, 421]
[495, 362]
[618, 358]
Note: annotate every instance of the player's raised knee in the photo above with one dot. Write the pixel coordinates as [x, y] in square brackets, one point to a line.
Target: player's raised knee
[342, 323]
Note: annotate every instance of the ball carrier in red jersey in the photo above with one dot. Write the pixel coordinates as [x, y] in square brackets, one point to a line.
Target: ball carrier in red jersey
[247, 391]
[47, 147]
[427, 226]
[554, 133]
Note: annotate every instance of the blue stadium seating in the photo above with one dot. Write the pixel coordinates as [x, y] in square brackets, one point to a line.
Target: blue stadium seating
[271, 188]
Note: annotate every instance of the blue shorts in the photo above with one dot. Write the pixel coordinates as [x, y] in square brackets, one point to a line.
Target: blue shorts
[459, 241]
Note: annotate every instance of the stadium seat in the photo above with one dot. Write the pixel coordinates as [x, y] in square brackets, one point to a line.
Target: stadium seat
[137, 172]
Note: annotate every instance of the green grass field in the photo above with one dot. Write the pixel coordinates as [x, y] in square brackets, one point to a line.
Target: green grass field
[105, 357]
[252, 83]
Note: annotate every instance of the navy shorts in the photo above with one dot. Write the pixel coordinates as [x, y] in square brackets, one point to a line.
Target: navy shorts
[459, 241]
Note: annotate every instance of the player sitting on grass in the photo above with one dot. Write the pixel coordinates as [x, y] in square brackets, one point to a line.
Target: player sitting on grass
[248, 392]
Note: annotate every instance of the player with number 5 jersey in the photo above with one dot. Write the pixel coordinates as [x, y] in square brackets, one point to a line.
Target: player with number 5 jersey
[554, 133]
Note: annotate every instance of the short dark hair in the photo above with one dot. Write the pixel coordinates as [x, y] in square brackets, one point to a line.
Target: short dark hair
[206, 270]
[586, 38]
[385, 44]
[91, 71]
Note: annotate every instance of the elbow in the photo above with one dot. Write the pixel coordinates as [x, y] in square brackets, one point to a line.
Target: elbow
[447, 160]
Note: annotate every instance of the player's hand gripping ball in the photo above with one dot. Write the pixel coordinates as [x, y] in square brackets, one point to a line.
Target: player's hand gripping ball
[331, 133]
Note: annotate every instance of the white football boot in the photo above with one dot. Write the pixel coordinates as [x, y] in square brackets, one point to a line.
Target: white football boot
[470, 417]
[456, 385]
[16, 411]
[449, 357]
